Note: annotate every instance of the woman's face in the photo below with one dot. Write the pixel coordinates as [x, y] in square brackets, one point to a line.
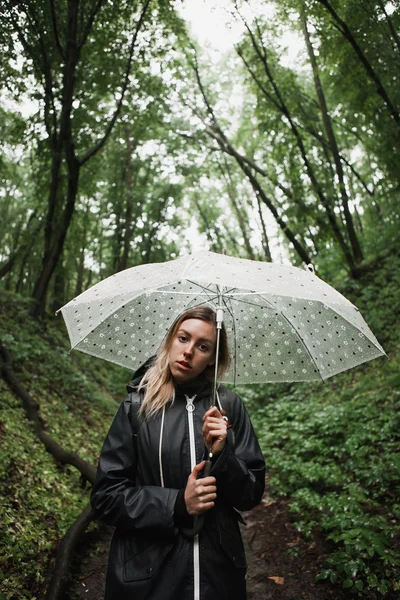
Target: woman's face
[192, 349]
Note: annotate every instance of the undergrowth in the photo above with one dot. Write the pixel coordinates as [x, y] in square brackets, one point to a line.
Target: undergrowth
[333, 448]
[39, 499]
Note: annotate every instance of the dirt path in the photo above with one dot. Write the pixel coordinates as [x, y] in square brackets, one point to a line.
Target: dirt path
[280, 565]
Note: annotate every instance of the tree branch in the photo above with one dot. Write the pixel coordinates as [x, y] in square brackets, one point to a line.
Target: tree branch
[115, 116]
[257, 81]
[43, 67]
[229, 149]
[242, 220]
[55, 29]
[283, 108]
[90, 21]
[390, 25]
[347, 34]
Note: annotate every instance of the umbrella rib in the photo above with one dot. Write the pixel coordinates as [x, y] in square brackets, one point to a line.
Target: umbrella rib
[254, 304]
[205, 301]
[206, 289]
[269, 304]
[169, 293]
[234, 338]
[230, 292]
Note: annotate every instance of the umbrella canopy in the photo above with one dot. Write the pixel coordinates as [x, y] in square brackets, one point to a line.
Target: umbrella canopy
[283, 323]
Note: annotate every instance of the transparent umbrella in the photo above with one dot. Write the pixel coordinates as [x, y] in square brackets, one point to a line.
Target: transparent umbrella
[283, 323]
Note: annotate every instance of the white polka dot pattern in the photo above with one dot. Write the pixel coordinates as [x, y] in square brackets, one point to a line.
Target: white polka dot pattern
[283, 323]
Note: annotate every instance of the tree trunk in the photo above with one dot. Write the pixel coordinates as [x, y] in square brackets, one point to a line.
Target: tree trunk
[127, 236]
[264, 235]
[354, 242]
[8, 265]
[48, 266]
[28, 238]
[217, 241]
[80, 271]
[81, 260]
[58, 299]
[153, 229]
[225, 146]
[55, 235]
[312, 238]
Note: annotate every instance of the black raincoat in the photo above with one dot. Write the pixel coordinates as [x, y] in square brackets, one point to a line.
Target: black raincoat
[137, 489]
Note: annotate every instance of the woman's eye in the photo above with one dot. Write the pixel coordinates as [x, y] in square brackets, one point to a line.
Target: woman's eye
[182, 338]
[203, 347]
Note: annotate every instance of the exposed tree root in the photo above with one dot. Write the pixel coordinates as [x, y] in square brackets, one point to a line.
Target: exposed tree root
[32, 412]
[68, 544]
[61, 569]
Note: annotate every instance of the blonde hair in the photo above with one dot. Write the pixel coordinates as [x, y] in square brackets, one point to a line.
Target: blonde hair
[158, 382]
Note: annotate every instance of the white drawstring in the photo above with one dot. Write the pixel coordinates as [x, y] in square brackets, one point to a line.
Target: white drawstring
[160, 447]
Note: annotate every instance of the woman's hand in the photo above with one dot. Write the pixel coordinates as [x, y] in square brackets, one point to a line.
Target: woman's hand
[214, 430]
[199, 493]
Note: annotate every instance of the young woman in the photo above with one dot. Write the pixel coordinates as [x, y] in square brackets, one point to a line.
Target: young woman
[149, 481]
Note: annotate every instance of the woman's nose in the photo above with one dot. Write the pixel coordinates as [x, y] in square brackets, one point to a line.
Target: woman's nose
[188, 351]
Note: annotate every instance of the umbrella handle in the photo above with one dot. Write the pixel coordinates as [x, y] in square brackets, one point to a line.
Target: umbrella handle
[198, 521]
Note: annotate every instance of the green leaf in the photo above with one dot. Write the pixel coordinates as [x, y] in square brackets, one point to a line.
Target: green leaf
[324, 574]
[333, 577]
[359, 584]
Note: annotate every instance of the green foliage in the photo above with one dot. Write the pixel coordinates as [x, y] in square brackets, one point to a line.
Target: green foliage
[333, 448]
[39, 502]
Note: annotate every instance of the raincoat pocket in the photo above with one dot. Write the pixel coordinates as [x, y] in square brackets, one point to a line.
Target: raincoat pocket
[144, 557]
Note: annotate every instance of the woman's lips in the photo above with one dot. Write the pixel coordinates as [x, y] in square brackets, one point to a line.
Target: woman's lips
[184, 365]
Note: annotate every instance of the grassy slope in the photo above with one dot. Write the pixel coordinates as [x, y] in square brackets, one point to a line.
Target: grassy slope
[39, 499]
[332, 448]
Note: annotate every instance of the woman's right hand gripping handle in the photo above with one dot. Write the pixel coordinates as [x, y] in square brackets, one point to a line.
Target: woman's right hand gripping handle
[199, 493]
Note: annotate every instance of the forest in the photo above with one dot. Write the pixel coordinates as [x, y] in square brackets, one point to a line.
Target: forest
[126, 139]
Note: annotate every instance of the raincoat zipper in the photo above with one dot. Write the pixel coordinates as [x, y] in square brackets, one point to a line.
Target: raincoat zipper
[196, 556]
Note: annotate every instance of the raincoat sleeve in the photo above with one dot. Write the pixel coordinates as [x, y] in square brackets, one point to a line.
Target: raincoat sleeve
[116, 497]
[240, 467]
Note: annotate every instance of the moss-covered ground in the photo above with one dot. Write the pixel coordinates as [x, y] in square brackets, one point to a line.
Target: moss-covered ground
[40, 499]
